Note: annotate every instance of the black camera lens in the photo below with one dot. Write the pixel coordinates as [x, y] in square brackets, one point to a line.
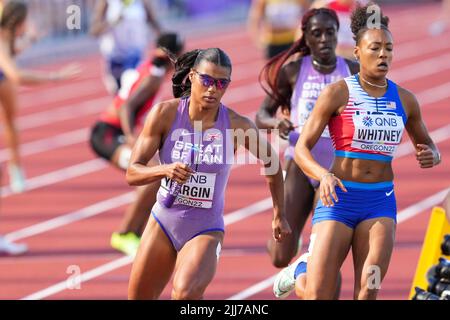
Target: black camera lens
[442, 270]
[439, 286]
[424, 295]
[445, 246]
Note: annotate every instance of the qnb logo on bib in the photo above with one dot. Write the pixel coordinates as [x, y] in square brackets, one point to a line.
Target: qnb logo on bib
[377, 132]
[197, 192]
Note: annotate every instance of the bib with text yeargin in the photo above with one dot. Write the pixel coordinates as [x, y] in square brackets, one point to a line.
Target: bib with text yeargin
[197, 192]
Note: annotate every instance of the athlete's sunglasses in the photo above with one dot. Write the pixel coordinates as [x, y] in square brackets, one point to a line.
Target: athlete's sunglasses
[207, 81]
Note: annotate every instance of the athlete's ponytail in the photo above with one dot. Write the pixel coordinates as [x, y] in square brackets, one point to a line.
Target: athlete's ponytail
[181, 85]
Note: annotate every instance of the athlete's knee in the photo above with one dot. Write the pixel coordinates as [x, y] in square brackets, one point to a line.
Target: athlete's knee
[187, 291]
[281, 260]
[367, 293]
[282, 254]
[319, 293]
[138, 291]
[322, 290]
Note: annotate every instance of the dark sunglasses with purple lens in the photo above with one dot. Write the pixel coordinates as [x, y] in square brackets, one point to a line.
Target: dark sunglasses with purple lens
[208, 81]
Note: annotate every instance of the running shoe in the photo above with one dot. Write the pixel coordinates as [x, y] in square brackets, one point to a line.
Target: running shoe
[10, 248]
[284, 282]
[16, 179]
[127, 243]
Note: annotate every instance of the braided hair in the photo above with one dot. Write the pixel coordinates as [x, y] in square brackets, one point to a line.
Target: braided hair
[13, 15]
[362, 18]
[181, 85]
[269, 76]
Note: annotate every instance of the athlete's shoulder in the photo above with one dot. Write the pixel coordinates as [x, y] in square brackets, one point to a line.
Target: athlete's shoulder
[292, 66]
[407, 98]
[334, 96]
[162, 115]
[336, 88]
[352, 65]
[290, 70]
[239, 121]
[166, 108]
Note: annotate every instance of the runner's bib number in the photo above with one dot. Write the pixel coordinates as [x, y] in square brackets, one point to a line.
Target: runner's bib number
[377, 132]
[197, 192]
[305, 107]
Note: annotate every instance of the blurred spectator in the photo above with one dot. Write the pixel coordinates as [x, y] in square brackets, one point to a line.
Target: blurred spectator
[122, 28]
[442, 22]
[344, 10]
[13, 25]
[273, 23]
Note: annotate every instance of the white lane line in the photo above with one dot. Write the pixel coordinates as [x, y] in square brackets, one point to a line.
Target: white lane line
[73, 111]
[230, 218]
[420, 69]
[96, 106]
[60, 175]
[421, 206]
[402, 216]
[409, 72]
[85, 276]
[434, 95]
[62, 93]
[254, 289]
[54, 142]
[63, 220]
[425, 98]
[98, 164]
[105, 205]
[238, 94]
[439, 135]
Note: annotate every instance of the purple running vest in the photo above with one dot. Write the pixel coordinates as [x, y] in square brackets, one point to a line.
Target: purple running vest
[308, 87]
[199, 205]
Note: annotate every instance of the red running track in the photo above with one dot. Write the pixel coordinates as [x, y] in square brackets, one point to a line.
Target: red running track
[76, 201]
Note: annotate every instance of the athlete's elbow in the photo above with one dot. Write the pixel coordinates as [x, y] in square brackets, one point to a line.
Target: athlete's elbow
[131, 177]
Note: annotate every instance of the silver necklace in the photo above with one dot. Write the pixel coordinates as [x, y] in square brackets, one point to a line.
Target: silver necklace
[372, 84]
[323, 66]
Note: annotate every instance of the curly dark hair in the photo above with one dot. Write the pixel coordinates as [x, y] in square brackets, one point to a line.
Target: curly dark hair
[362, 16]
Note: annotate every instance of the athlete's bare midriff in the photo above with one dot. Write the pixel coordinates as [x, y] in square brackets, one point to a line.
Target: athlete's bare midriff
[361, 170]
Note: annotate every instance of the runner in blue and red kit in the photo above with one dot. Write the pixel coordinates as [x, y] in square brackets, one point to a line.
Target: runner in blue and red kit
[189, 233]
[294, 88]
[366, 115]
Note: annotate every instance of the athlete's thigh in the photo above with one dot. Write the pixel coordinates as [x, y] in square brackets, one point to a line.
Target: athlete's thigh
[148, 278]
[372, 246]
[197, 261]
[331, 246]
[8, 99]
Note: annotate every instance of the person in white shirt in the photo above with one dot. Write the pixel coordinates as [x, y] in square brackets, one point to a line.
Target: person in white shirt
[122, 26]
